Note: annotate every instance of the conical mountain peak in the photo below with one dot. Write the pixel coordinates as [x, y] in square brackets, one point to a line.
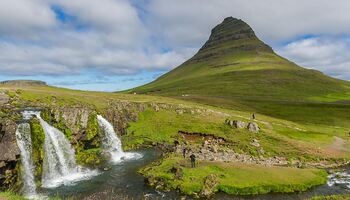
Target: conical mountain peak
[230, 29]
[230, 37]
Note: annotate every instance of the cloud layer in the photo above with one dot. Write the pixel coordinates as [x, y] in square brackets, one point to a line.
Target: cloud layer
[119, 37]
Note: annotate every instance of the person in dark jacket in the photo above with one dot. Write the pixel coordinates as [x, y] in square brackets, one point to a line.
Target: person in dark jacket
[193, 161]
[184, 152]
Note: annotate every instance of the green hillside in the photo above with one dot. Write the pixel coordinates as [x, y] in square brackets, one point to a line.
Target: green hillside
[236, 70]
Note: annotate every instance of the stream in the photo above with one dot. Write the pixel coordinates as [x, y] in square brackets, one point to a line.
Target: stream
[123, 182]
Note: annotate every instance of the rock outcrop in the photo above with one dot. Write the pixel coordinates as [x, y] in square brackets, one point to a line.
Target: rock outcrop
[229, 31]
[9, 153]
[121, 113]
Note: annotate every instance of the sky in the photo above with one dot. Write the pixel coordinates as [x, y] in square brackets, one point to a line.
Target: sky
[112, 45]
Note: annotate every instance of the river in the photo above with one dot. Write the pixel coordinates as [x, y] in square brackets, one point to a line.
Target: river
[123, 182]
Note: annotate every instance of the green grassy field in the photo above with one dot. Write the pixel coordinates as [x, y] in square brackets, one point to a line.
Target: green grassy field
[234, 178]
[301, 138]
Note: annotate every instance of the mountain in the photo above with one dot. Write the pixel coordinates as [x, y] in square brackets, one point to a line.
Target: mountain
[23, 83]
[235, 63]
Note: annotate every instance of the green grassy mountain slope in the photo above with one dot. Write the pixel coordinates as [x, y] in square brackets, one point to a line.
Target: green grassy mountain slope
[235, 63]
[236, 70]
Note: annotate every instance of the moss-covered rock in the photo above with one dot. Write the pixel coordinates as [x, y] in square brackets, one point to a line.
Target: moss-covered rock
[91, 158]
[38, 138]
[58, 123]
[92, 130]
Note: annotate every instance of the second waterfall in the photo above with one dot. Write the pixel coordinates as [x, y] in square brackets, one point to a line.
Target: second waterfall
[112, 143]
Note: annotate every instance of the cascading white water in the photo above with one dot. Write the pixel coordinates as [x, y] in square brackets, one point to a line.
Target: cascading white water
[112, 143]
[24, 142]
[59, 166]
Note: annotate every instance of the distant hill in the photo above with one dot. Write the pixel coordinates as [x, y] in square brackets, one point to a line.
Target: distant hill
[234, 63]
[23, 83]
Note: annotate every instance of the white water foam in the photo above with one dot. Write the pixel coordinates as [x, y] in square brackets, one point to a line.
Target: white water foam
[339, 178]
[112, 143]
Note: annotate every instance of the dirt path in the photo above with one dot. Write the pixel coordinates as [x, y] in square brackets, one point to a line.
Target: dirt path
[338, 144]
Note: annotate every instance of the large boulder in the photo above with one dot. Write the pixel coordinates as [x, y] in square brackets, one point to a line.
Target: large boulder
[253, 127]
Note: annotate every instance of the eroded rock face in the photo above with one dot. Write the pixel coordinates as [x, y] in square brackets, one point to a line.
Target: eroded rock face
[9, 153]
[75, 118]
[8, 145]
[121, 113]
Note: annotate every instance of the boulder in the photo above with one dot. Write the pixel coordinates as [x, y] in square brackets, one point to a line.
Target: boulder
[238, 124]
[253, 127]
[210, 185]
[235, 123]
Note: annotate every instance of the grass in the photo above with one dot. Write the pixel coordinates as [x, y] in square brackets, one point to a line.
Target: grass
[279, 136]
[332, 197]
[11, 196]
[235, 178]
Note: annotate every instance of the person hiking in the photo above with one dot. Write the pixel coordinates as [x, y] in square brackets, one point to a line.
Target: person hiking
[253, 116]
[184, 150]
[193, 161]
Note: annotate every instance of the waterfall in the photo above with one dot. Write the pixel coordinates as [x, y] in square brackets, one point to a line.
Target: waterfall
[24, 142]
[59, 166]
[112, 143]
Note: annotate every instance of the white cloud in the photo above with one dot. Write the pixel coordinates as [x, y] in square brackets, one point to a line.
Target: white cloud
[185, 22]
[330, 55]
[116, 20]
[24, 17]
[119, 39]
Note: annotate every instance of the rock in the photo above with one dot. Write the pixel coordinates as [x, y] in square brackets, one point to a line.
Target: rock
[121, 113]
[253, 127]
[179, 111]
[255, 143]
[178, 171]
[8, 144]
[9, 154]
[238, 124]
[235, 123]
[210, 185]
[4, 98]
